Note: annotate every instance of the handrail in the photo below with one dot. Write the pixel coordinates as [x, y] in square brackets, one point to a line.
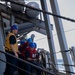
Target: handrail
[27, 62]
[62, 51]
[65, 65]
[67, 71]
[17, 67]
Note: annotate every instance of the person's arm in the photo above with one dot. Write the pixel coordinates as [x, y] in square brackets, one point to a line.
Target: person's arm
[27, 54]
[12, 40]
[13, 49]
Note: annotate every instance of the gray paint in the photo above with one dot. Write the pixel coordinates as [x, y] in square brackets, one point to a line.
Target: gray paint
[2, 56]
[49, 33]
[61, 36]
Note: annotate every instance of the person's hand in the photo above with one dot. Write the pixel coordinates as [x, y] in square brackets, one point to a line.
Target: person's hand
[16, 55]
[39, 58]
[34, 59]
[19, 52]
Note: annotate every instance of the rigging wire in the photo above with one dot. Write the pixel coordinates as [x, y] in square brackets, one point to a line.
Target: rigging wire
[54, 34]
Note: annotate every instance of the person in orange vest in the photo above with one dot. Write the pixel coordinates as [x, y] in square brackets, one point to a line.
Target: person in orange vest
[11, 47]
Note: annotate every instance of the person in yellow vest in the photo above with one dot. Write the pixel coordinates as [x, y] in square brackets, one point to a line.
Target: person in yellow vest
[11, 46]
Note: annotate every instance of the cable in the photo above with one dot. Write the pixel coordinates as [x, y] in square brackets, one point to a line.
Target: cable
[67, 71]
[41, 38]
[54, 34]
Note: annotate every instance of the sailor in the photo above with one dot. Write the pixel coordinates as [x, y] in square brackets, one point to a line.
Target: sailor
[11, 47]
[31, 56]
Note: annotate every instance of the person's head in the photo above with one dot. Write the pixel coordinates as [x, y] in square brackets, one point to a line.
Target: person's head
[22, 42]
[14, 29]
[35, 45]
[32, 37]
[32, 46]
[29, 40]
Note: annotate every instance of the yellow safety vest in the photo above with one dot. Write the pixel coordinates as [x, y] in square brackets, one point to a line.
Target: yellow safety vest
[7, 43]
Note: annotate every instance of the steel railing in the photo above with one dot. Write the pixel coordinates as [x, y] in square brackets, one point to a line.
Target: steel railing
[65, 64]
[42, 69]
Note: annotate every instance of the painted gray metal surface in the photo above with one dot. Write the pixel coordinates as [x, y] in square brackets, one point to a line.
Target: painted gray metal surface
[12, 20]
[72, 52]
[61, 36]
[49, 33]
[2, 56]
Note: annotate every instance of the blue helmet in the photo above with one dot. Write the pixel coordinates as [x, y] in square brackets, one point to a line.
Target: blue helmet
[22, 42]
[14, 27]
[32, 45]
[35, 45]
[29, 40]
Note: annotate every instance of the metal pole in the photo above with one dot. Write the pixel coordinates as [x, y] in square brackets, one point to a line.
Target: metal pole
[49, 33]
[73, 53]
[48, 58]
[3, 32]
[12, 20]
[61, 36]
[2, 56]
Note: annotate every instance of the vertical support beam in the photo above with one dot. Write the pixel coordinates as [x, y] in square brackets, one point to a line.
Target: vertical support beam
[61, 35]
[72, 51]
[3, 32]
[12, 20]
[48, 57]
[49, 33]
[2, 56]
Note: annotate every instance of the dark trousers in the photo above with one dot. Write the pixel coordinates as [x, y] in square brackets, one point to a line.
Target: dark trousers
[38, 65]
[10, 69]
[21, 65]
[30, 69]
